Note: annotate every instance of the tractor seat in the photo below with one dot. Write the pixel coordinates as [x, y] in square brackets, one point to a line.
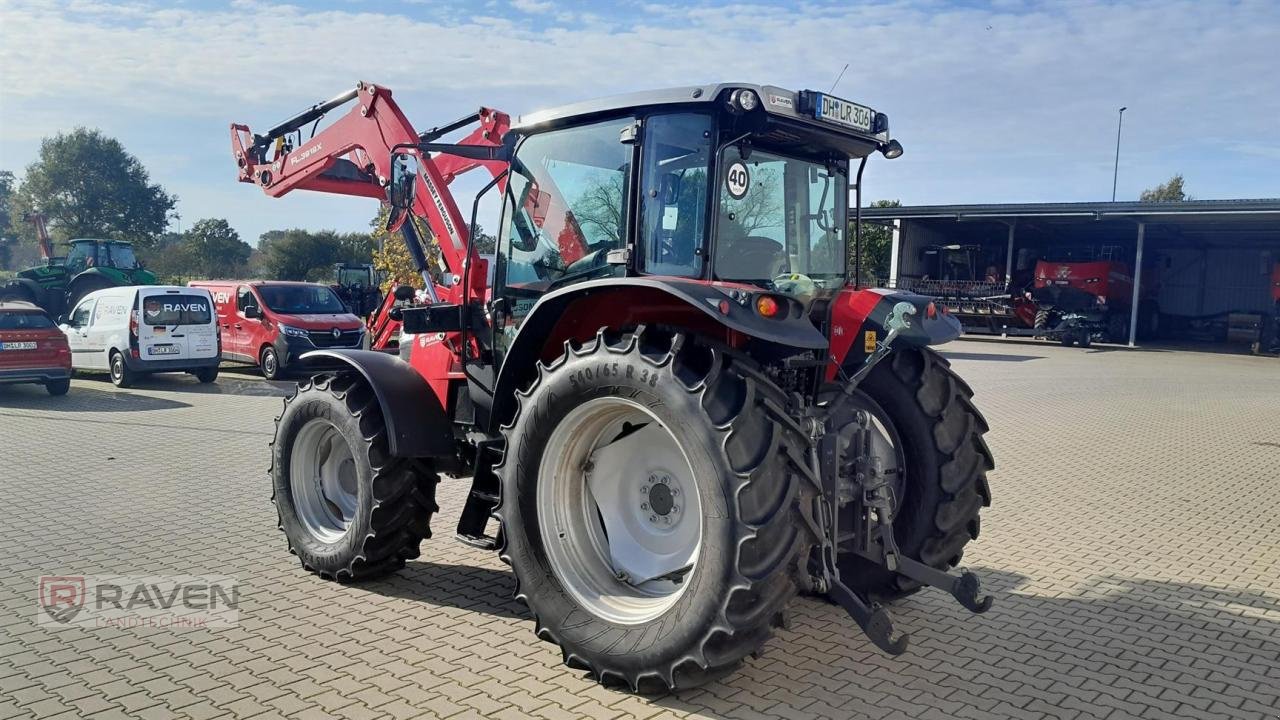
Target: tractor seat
[751, 257]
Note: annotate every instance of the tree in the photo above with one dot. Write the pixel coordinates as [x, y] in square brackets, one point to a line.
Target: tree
[877, 246]
[216, 249]
[6, 220]
[87, 185]
[392, 256]
[298, 254]
[1170, 191]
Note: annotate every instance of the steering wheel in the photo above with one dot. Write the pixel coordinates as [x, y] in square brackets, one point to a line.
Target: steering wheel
[796, 284]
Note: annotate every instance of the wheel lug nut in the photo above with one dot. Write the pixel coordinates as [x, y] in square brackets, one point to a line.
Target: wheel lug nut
[644, 506]
[653, 518]
[675, 508]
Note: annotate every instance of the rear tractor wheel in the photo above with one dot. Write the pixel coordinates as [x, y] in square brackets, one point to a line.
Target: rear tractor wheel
[350, 511]
[928, 435]
[650, 509]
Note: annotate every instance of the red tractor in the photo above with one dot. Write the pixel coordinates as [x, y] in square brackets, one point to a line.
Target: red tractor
[670, 397]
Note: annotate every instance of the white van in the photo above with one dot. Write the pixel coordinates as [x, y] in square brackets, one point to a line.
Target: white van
[134, 330]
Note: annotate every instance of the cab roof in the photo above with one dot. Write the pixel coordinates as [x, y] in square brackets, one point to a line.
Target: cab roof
[775, 103]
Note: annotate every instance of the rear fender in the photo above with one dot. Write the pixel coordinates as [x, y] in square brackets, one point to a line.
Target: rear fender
[577, 312]
[858, 319]
[417, 425]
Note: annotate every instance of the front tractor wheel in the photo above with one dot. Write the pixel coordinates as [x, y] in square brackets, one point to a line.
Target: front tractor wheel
[928, 435]
[650, 509]
[350, 511]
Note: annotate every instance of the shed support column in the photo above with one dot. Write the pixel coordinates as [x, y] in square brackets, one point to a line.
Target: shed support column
[1137, 285]
[894, 251]
[1008, 258]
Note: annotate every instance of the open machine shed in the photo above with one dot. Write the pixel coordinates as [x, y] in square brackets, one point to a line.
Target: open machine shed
[1211, 265]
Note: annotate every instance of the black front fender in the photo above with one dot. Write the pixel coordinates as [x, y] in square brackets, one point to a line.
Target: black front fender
[417, 425]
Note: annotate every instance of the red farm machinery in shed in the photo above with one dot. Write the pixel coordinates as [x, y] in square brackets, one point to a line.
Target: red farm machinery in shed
[670, 397]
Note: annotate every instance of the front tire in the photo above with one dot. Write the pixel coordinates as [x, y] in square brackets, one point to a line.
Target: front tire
[928, 410]
[574, 492]
[350, 510]
[269, 363]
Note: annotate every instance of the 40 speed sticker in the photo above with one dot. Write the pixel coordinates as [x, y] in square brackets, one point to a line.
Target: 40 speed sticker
[737, 180]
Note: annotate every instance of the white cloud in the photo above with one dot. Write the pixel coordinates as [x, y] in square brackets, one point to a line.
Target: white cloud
[1024, 110]
[533, 6]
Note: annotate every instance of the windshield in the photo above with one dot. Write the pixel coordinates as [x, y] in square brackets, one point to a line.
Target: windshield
[780, 216]
[122, 256]
[24, 321]
[301, 299]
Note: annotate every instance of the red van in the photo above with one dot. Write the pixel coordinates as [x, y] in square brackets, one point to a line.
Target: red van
[270, 323]
[33, 349]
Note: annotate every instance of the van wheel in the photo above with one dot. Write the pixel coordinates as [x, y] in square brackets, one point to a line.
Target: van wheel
[121, 375]
[207, 374]
[269, 362]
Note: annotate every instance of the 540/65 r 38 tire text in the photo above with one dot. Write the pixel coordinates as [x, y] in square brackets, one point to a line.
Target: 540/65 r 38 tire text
[650, 508]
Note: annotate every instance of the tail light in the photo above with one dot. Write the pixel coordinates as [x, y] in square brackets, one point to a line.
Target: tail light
[133, 332]
[767, 306]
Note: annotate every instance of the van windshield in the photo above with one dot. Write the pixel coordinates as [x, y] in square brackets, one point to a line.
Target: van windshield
[176, 310]
[301, 299]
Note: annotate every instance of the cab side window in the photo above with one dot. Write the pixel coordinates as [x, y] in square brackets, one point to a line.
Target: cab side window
[80, 316]
[245, 299]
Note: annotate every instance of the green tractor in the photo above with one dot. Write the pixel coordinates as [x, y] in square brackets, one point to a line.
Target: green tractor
[90, 264]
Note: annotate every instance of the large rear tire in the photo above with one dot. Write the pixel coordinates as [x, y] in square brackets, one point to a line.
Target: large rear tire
[928, 413]
[80, 288]
[349, 509]
[613, 444]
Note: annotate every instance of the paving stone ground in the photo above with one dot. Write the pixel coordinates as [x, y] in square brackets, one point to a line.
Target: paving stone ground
[1134, 549]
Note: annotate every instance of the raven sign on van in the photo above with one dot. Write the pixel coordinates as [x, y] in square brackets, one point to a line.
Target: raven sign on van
[129, 331]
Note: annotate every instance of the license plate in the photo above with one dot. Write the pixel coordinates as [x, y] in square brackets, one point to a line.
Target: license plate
[18, 346]
[842, 112]
[162, 350]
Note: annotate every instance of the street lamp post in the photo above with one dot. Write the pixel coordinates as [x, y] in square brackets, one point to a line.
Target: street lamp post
[1115, 174]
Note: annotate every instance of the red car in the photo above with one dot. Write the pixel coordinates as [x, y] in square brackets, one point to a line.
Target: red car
[33, 349]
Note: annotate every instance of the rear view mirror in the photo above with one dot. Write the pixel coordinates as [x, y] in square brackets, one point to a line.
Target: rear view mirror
[403, 187]
[63, 320]
[404, 180]
[670, 190]
[252, 312]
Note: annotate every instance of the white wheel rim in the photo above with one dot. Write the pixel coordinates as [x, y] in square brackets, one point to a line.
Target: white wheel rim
[619, 511]
[322, 476]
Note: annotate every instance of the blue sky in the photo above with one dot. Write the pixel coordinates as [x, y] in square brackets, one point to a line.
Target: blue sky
[998, 100]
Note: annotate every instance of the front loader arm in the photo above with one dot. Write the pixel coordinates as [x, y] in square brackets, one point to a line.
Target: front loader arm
[353, 157]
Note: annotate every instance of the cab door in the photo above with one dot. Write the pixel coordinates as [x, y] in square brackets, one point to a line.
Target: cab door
[243, 337]
[76, 328]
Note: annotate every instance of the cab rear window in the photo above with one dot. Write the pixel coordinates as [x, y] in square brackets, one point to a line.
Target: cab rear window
[24, 321]
[176, 310]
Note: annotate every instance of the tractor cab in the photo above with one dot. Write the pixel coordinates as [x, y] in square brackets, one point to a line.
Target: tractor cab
[726, 183]
[84, 253]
